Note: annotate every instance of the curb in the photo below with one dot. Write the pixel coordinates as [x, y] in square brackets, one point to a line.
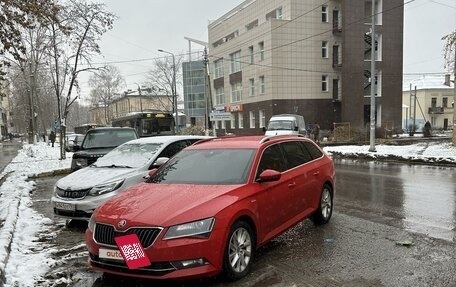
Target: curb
[51, 173]
[395, 159]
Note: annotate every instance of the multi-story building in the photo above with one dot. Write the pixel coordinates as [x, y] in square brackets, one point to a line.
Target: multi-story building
[196, 106]
[306, 57]
[130, 101]
[432, 101]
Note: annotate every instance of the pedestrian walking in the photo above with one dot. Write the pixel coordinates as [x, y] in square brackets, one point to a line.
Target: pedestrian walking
[316, 132]
[52, 138]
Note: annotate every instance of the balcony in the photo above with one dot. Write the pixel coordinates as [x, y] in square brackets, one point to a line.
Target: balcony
[436, 110]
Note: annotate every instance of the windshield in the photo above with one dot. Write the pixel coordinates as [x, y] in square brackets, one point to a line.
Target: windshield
[280, 125]
[107, 138]
[215, 166]
[129, 155]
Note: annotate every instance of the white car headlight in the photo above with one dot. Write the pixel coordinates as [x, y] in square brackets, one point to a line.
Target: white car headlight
[106, 187]
[199, 228]
[91, 225]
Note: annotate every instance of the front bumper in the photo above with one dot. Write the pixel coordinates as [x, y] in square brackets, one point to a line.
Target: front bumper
[80, 209]
[166, 257]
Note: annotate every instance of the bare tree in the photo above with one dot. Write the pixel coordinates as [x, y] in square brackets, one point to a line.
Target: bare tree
[17, 16]
[160, 78]
[72, 50]
[105, 85]
[449, 49]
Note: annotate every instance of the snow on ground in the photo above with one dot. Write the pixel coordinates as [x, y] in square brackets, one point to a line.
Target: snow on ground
[423, 152]
[24, 259]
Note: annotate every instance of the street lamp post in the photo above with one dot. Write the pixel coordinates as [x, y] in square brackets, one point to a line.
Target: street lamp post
[174, 92]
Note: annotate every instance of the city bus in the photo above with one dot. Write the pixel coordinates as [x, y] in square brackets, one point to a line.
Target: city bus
[147, 123]
[84, 128]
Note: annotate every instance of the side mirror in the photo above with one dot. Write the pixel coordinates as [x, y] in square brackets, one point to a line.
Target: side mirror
[269, 175]
[264, 129]
[160, 161]
[76, 148]
[296, 128]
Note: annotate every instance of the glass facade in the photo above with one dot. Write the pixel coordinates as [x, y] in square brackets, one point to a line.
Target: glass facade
[194, 89]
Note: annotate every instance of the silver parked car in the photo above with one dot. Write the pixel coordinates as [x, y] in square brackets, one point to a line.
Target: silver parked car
[79, 193]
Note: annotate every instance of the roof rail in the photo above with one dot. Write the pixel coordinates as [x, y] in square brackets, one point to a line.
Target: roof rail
[268, 138]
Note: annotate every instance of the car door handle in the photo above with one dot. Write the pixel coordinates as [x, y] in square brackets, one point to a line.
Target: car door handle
[292, 184]
[316, 173]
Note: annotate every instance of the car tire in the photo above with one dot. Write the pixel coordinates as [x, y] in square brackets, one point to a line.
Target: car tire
[239, 251]
[325, 206]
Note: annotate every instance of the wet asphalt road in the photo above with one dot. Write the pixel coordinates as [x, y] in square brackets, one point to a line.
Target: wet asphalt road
[377, 205]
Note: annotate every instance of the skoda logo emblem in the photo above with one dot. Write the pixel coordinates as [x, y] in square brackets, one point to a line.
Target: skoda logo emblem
[122, 223]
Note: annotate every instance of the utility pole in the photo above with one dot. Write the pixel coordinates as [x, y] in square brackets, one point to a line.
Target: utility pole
[414, 112]
[372, 80]
[207, 94]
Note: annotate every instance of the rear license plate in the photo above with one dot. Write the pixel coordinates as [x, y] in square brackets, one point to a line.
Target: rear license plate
[65, 206]
[110, 254]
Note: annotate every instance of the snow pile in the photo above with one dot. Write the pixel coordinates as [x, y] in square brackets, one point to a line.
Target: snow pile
[23, 258]
[432, 153]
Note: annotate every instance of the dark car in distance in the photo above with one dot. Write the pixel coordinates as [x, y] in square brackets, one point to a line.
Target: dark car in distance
[98, 142]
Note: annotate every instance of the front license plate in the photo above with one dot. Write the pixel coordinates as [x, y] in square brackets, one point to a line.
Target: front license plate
[65, 206]
[111, 254]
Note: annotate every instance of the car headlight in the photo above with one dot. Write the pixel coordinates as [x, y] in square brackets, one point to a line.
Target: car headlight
[106, 187]
[91, 225]
[199, 228]
[80, 162]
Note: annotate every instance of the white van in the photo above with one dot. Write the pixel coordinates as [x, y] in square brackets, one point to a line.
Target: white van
[286, 124]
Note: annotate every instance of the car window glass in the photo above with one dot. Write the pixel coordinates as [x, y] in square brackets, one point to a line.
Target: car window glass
[314, 151]
[271, 159]
[132, 155]
[214, 167]
[108, 138]
[295, 154]
[174, 148]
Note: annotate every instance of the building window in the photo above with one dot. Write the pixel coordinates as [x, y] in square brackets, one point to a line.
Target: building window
[433, 102]
[324, 14]
[262, 119]
[218, 68]
[252, 120]
[236, 92]
[324, 83]
[445, 102]
[233, 121]
[219, 96]
[324, 49]
[433, 121]
[223, 125]
[279, 14]
[261, 86]
[251, 55]
[261, 51]
[235, 62]
[241, 120]
[251, 87]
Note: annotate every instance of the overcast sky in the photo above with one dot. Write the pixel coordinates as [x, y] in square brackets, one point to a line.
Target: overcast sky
[144, 26]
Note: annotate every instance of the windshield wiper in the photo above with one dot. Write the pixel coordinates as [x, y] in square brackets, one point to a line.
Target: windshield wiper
[113, 166]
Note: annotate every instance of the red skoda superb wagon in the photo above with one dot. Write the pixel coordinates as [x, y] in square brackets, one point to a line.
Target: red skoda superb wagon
[209, 208]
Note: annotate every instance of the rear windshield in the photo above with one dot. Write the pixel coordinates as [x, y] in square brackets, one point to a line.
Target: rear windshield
[211, 166]
[107, 138]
